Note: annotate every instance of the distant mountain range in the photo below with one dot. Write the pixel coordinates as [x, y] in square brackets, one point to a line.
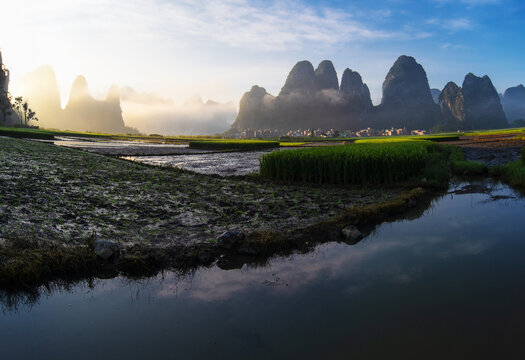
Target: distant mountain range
[310, 98]
[82, 112]
[314, 99]
[123, 110]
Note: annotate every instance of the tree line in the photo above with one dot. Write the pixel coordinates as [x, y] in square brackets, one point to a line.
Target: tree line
[8, 104]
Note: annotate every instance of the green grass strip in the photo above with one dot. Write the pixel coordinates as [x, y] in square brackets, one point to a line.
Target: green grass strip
[26, 133]
[233, 145]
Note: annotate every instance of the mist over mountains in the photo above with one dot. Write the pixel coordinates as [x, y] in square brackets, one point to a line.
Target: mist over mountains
[513, 101]
[193, 117]
[123, 110]
[309, 99]
[314, 99]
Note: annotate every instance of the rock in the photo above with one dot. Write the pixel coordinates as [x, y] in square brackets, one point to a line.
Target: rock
[230, 238]
[79, 89]
[451, 104]
[435, 95]
[300, 79]
[312, 99]
[326, 76]
[7, 115]
[106, 250]
[482, 107]
[4, 77]
[514, 103]
[351, 234]
[255, 110]
[82, 112]
[406, 81]
[407, 101]
[353, 89]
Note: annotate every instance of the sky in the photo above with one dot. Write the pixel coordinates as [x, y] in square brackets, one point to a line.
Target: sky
[219, 49]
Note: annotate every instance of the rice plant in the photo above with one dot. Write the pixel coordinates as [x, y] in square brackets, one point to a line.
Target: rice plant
[369, 162]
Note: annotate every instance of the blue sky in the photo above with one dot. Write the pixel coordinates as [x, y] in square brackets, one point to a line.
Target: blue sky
[219, 49]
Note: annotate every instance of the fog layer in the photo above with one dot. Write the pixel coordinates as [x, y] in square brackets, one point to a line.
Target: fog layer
[123, 110]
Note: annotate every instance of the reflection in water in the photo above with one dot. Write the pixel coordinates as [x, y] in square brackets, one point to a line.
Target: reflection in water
[225, 163]
[445, 285]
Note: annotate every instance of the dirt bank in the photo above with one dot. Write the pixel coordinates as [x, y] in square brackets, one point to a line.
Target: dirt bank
[491, 149]
[55, 203]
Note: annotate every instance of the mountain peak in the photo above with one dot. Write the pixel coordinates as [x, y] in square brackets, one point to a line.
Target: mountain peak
[326, 76]
[301, 78]
[79, 89]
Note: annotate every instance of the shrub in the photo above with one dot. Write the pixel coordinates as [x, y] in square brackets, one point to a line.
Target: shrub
[512, 173]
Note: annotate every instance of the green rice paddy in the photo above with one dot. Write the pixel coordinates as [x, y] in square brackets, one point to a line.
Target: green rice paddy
[367, 162]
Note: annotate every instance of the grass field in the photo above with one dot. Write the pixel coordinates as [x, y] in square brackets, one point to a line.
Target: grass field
[244, 145]
[435, 138]
[495, 132]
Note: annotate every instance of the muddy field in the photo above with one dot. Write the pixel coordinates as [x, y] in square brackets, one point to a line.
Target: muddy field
[491, 149]
[219, 163]
[59, 194]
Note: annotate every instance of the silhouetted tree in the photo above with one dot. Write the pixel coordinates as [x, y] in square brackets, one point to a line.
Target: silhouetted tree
[30, 116]
[17, 105]
[25, 110]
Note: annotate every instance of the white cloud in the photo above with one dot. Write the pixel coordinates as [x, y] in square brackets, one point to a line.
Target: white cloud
[166, 46]
[471, 2]
[453, 25]
[447, 46]
[273, 26]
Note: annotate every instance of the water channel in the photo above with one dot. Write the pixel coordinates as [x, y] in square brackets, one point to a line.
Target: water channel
[447, 285]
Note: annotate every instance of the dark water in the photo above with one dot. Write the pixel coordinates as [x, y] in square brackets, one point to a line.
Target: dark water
[449, 285]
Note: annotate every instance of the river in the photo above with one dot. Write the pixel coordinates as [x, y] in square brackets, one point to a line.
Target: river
[446, 285]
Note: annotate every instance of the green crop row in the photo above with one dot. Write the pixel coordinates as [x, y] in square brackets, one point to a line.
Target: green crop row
[233, 145]
[373, 162]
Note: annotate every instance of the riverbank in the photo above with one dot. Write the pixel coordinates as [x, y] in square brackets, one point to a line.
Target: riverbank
[69, 213]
